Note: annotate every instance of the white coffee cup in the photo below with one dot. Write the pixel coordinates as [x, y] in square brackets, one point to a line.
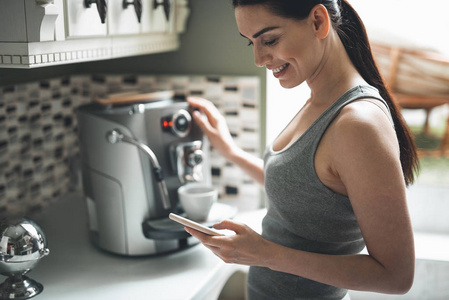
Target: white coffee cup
[197, 200]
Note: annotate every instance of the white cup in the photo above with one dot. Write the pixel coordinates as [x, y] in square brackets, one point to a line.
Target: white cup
[197, 200]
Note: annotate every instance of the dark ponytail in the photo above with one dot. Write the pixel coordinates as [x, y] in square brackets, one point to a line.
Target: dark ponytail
[352, 33]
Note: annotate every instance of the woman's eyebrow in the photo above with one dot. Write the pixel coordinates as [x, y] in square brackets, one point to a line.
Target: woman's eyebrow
[259, 33]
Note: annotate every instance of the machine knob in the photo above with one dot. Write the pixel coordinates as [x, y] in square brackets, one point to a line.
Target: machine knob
[194, 158]
[179, 123]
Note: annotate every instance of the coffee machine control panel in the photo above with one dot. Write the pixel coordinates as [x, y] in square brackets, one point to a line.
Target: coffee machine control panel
[178, 123]
[187, 160]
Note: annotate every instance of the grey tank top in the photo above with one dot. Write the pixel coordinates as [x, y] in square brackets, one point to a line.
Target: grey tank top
[304, 214]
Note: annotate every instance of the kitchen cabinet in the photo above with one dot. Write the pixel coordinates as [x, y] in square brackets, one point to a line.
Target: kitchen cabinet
[82, 21]
[130, 19]
[123, 20]
[17, 26]
[38, 33]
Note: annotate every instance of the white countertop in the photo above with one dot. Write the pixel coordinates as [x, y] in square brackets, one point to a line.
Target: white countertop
[76, 269]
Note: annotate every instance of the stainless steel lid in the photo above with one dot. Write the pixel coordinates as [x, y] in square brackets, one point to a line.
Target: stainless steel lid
[22, 241]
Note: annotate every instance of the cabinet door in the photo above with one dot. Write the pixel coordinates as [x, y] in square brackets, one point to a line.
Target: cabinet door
[157, 18]
[122, 20]
[82, 21]
[147, 9]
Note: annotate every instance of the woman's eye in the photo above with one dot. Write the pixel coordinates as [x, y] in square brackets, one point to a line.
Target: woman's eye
[266, 43]
[271, 42]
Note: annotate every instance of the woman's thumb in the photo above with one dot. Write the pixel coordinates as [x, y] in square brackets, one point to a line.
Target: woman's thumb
[230, 225]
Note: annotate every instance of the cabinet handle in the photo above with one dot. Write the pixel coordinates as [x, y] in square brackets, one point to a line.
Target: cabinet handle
[166, 4]
[101, 7]
[137, 7]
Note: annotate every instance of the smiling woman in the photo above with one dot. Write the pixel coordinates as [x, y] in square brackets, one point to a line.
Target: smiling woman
[291, 39]
[336, 176]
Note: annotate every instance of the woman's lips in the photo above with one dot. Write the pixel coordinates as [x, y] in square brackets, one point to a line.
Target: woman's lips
[278, 72]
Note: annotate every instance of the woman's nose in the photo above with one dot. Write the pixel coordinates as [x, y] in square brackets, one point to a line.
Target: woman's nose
[261, 57]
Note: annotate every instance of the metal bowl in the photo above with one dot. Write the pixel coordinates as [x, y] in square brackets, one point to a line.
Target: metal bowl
[22, 245]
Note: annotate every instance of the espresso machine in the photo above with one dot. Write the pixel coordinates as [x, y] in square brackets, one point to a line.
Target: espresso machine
[135, 155]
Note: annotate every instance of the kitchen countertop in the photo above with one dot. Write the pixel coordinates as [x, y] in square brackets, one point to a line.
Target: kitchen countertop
[76, 269]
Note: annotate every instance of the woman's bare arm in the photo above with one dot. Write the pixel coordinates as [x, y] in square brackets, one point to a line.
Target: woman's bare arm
[216, 130]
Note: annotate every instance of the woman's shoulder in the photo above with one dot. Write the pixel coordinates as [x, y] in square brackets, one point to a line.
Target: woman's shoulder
[366, 120]
[365, 113]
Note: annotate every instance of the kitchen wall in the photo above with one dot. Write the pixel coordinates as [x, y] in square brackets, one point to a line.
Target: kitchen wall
[39, 149]
[211, 46]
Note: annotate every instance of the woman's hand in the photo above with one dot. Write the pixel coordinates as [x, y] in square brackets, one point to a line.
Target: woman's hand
[246, 247]
[215, 127]
[217, 131]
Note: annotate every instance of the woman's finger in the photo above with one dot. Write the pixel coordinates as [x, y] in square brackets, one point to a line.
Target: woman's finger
[205, 126]
[206, 107]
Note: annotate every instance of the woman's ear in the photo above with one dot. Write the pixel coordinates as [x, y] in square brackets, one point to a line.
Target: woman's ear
[321, 21]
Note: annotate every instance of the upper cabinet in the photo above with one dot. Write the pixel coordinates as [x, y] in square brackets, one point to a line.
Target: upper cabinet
[83, 19]
[37, 33]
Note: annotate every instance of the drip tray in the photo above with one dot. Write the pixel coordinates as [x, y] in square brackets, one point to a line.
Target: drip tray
[167, 229]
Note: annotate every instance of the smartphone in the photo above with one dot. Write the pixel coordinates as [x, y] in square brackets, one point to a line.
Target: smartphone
[194, 225]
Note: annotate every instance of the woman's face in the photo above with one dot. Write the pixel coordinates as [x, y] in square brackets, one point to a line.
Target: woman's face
[287, 47]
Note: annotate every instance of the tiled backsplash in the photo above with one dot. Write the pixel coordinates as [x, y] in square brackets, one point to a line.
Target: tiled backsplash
[39, 143]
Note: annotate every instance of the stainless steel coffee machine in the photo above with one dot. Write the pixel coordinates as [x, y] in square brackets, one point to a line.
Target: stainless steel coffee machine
[134, 158]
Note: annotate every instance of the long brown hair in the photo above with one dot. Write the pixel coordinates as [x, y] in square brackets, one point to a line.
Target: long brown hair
[352, 33]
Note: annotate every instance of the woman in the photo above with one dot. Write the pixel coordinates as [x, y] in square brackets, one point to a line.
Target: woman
[336, 176]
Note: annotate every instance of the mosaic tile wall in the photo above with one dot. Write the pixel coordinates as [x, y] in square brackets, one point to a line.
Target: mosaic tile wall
[39, 160]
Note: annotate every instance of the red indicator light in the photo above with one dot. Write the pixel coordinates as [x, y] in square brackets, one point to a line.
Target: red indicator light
[170, 124]
[165, 124]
